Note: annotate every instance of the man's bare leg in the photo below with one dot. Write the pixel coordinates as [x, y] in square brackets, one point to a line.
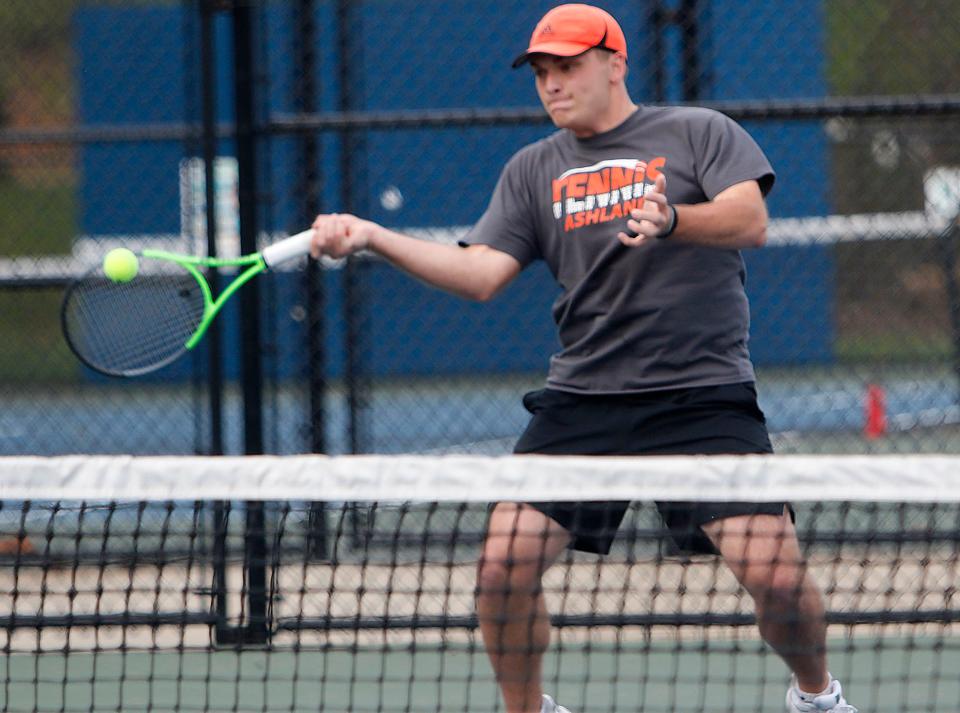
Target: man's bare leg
[521, 544]
[764, 555]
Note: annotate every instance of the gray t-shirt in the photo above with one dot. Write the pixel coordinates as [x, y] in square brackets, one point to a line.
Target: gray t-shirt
[663, 315]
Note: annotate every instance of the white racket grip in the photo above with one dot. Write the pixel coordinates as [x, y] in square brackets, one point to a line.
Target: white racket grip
[287, 249]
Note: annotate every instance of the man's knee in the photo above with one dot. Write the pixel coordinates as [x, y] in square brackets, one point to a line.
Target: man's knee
[500, 574]
[777, 588]
[521, 544]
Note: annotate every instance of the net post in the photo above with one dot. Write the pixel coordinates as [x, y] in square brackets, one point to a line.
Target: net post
[223, 632]
[257, 630]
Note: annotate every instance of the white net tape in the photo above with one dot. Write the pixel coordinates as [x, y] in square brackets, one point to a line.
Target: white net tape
[469, 478]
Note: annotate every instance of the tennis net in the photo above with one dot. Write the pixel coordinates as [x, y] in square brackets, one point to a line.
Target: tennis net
[196, 584]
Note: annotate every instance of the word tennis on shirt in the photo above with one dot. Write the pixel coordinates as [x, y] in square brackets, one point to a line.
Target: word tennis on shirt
[607, 190]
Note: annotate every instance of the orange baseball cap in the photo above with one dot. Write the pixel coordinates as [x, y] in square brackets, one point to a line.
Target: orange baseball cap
[569, 30]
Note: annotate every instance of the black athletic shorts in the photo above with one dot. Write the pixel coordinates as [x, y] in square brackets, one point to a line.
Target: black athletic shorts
[697, 421]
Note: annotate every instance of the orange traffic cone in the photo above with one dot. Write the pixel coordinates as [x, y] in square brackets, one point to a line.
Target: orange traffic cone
[876, 412]
[14, 545]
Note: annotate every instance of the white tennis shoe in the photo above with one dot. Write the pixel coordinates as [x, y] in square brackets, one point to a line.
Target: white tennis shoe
[832, 701]
[550, 706]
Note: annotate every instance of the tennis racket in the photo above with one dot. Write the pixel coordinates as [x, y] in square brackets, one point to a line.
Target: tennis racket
[133, 327]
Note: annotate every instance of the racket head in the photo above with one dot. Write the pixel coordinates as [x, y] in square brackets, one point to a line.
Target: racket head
[136, 327]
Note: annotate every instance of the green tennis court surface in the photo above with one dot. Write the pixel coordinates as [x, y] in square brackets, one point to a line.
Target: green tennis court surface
[458, 678]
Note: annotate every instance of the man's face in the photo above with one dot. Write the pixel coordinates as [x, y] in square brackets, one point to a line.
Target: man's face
[576, 91]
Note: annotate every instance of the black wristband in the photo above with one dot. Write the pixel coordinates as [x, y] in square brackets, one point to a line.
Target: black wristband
[670, 228]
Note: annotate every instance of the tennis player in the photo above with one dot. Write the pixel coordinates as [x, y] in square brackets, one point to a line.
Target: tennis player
[640, 213]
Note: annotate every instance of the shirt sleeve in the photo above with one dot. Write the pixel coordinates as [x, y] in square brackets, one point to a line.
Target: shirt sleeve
[509, 222]
[727, 155]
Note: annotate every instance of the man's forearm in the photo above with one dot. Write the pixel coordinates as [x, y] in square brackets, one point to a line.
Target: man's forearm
[465, 272]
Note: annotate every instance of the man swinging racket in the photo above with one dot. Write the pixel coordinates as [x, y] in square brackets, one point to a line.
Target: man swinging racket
[640, 213]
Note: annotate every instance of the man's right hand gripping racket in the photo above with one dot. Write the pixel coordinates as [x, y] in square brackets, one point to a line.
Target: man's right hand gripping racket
[139, 312]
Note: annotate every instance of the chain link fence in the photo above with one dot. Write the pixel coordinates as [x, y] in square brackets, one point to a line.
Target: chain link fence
[115, 116]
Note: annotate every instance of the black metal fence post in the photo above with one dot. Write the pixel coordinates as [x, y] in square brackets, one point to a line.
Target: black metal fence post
[207, 11]
[310, 188]
[947, 243]
[208, 92]
[251, 362]
[352, 155]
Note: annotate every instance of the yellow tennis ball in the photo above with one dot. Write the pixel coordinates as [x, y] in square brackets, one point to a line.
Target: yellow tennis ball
[120, 265]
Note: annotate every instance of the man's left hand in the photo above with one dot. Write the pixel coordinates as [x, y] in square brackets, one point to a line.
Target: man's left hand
[652, 219]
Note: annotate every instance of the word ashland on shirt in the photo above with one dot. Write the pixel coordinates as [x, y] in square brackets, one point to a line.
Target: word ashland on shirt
[607, 190]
